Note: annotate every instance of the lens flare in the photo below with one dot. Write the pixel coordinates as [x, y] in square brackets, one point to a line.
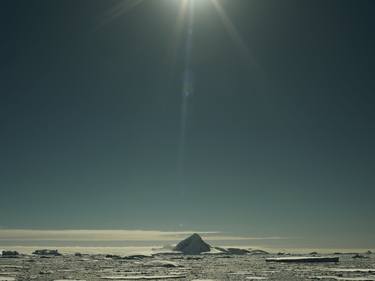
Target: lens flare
[185, 27]
[187, 91]
[120, 9]
[231, 29]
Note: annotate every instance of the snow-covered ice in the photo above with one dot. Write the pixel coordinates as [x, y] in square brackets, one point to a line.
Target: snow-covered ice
[143, 277]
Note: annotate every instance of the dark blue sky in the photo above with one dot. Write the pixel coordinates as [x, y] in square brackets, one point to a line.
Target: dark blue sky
[281, 143]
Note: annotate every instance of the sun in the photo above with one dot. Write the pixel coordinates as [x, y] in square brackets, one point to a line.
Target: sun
[186, 14]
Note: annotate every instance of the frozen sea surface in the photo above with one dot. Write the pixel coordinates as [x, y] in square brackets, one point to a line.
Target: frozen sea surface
[178, 267]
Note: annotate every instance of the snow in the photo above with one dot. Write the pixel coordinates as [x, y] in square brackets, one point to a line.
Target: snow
[143, 277]
[10, 266]
[363, 270]
[304, 259]
[204, 280]
[179, 267]
[162, 263]
[344, 278]
[241, 273]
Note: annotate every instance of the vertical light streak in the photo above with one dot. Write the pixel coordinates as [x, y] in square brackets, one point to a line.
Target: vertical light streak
[253, 68]
[232, 31]
[177, 37]
[187, 92]
[118, 10]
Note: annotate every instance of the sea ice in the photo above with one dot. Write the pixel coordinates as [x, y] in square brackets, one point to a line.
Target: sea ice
[68, 280]
[8, 273]
[362, 270]
[344, 278]
[204, 280]
[162, 263]
[143, 277]
[10, 266]
[241, 273]
[304, 259]
[3, 278]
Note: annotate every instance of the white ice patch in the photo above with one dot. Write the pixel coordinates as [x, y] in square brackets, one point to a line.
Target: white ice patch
[3, 278]
[68, 280]
[303, 259]
[241, 273]
[143, 277]
[5, 273]
[10, 266]
[204, 280]
[162, 263]
[343, 278]
[352, 270]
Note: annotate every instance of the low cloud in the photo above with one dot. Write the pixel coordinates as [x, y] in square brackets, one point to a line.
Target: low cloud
[116, 235]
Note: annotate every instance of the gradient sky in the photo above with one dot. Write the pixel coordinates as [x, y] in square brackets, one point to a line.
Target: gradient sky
[279, 142]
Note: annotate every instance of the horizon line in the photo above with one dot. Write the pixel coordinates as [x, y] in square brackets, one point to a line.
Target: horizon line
[119, 235]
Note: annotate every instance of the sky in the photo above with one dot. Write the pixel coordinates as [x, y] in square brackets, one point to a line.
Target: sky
[280, 129]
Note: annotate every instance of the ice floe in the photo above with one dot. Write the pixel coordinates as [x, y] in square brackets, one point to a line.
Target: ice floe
[10, 266]
[162, 263]
[343, 278]
[303, 259]
[143, 277]
[353, 270]
[6, 278]
[204, 280]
